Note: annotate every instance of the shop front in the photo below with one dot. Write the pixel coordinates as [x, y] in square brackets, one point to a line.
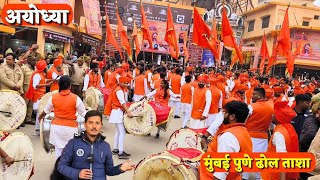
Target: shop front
[86, 44]
[56, 42]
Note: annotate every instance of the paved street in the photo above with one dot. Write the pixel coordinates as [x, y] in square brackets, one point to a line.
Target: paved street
[138, 146]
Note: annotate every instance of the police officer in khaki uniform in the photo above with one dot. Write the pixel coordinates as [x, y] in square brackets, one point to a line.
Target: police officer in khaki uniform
[11, 75]
[27, 70]
[78, 71]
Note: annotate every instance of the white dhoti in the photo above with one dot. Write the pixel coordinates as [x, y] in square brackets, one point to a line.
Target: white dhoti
[175, 104]
[186, 113]
[59, 137]
[197, 123]
[116, 118]
[258, 145]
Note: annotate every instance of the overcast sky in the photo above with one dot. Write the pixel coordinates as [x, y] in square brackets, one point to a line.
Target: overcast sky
[317, 2]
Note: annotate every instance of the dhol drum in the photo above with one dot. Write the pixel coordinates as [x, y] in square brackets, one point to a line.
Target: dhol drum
[96, 98]
[179, 164]
[45, 127]
[184, 138]
[20, 148]
[146, 116]
[163, 114]
[143, 121]
[13, 110]
[44, 101]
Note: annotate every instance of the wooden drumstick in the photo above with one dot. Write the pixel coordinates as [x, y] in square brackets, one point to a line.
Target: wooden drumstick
[5, 112]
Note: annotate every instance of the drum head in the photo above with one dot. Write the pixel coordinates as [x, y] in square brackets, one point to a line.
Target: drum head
[91, 100]
[45, 126]
[13, 110]
[20, 148]
[144, 120]
[184, 138]
[44, 100]
[163, 167]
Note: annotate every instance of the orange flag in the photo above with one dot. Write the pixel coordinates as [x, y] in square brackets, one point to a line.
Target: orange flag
[284, 44]
[135, 38]
[227, 35]
[173, 53]
[298, 48]
[264, 54]
[123, 35]
[145, 28]
[214, 40]
[170, 36]
[272, 60]
[110, 38]
[236, 58]
[201, 33]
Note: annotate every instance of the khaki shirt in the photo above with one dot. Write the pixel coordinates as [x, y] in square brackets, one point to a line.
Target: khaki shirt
[10, 77]
[27, 72]
[77, 76]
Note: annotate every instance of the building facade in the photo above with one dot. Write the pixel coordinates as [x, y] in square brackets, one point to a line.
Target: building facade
[50, 39]
[304, 22]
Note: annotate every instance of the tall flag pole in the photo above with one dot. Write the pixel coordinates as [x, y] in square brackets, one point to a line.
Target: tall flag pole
[135, 38]
[109, 35]
[145, 27]
[123, 34]
[284, 44]
[227, 35]
[264, 54]
[170, 36]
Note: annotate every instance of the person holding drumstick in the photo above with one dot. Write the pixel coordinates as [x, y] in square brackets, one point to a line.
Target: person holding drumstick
[65, 105]
[7, 159]
[162, 96]
[115, 107]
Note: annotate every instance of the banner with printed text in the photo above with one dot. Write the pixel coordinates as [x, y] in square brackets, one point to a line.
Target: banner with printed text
[309, 42]
[91, 10]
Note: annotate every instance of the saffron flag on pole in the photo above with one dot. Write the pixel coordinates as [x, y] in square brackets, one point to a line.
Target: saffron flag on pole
[110, 38]
[135, 39]
[284, 44]
[170, 36]
[264, 54]
[145, 28]
[123, 36]
[227, 35]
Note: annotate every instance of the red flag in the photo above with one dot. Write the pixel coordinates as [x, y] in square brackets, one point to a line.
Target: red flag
[110, 38]
[173, 53]
[201, 33]
[135, 37]
[123, 36]
[145, 28]
[264, 54]
[284, 44]
[170, 36]
[227, 35]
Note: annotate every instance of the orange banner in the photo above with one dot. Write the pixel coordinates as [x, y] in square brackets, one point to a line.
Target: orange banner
[257, 162]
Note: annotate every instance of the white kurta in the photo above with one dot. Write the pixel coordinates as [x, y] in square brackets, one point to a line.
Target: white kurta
[136, 97]
[214, 127]
[116, 115]
[86, 82]
[212, 117]
[227, 142]
[36, 81]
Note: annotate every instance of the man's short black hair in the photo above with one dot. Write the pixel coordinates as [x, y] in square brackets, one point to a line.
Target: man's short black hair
[261, 91]
[239, 109]
[188, 78]
[9, 54]
[64, 82]
[92, 113]
[163, 75]
[178, 71]
[302, 97]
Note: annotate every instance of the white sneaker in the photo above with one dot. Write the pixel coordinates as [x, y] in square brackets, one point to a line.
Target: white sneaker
[36, 133]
